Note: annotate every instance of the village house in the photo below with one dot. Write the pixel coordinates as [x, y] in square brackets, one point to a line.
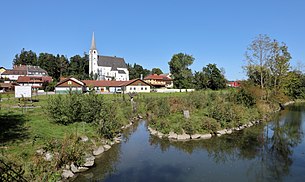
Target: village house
[160, 81]
[23, 70]
[106, 67]
[233, 84]
[135, 85]
[2, 69]
[67, 85]
[35, 81]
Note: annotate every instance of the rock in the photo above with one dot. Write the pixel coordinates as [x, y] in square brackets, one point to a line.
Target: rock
[107, 147]
[139, 116]
[195, 136]
[159, 134]
[67, 167]
[84, 139]
[250, 124]
[123, 127]
[117, 140]
[67, 174]
[82, 169]
[152, 131]
[229, 131]
[74, 168]
[186, 114]
[89, 161]
[206, 136]
[40, 151]
[221, 132]
[98, 151]
[183, 137]
[48, 156]
[172, 136]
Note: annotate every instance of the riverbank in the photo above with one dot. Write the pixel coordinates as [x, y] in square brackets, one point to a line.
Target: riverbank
[165, 127]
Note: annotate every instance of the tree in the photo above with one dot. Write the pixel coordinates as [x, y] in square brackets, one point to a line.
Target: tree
[278, 64]
[25, 58]
[294, 84]
[157, 71]
[213, 78]
[136, 71]
[179, 68]
[257, 55]
[79, 66]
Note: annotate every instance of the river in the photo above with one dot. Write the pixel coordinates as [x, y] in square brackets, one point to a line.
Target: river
[273, 151]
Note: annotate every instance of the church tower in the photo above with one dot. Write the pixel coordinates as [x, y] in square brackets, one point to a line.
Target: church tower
[93, 57]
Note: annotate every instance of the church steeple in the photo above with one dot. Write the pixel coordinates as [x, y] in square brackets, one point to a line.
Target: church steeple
[93, 46]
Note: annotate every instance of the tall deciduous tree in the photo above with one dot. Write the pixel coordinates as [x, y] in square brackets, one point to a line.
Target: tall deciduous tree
[25, 58]
[257, 55]
[211, 77]
[157, 71]
[179, 68]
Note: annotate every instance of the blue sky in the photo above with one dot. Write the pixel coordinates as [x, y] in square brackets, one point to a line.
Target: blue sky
[150, 32]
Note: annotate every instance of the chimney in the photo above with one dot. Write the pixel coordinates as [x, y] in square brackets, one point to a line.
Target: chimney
[141, 77]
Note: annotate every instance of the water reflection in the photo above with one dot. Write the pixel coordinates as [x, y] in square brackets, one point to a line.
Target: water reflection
[261, 153]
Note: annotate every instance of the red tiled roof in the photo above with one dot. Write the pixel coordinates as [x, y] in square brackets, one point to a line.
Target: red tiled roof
[34, 79]
[7, 85]
[157, 77]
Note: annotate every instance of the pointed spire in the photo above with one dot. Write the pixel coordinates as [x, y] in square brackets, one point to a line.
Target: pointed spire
[93, 46]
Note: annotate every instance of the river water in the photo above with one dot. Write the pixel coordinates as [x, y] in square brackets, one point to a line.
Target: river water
[274, 151]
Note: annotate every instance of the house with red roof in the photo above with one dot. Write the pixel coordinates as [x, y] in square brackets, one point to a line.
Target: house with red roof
[160, 81]
[35, 81]
[67, 85]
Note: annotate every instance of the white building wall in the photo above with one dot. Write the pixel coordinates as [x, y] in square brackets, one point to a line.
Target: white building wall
[132, 88]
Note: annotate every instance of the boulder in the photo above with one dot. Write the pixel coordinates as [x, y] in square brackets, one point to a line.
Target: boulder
[229, 131]
[48, 156]
[107, 147]
[98, 151]
[186, 114]
[153, 132]
[195, 136]
[82, 169]
[172, 136]
[89, 161]
[74, 168]
[84, 139]
[67, 174]
[206, 136]
[184, 137]
[159, 134]
[221, 132]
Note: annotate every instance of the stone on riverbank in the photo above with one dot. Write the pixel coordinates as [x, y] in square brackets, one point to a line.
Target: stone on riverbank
[172, 136]
[98, 151]
[107, 147]
[206, 136]
[89, 161]
[76, 169]
[184, 137]
[195, 136]
[159, 134]
[67, 174]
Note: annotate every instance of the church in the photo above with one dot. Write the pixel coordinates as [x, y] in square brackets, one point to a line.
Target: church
[106, 67]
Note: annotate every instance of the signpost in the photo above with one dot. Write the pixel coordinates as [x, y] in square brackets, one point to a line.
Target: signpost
[23, 91]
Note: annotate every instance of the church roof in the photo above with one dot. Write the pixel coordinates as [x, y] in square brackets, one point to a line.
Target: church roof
[113, 62]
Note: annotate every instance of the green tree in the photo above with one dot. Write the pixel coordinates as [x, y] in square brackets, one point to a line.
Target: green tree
[278, 64]
[136, 70]
[258, 54]
[213, 77]
[25, 58]
[179, 68]
[294, 84]
[157, 71]
[79, 66]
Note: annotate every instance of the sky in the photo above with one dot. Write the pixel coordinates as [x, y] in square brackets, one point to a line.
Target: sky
[150, 32]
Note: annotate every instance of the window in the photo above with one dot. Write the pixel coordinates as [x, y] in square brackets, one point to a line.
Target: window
[130, 88]
[69, 83]
[134, 88]
[141, 88]
[145, 88]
